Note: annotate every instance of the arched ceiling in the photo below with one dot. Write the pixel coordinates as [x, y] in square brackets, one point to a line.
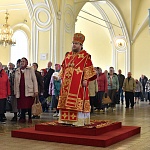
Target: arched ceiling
[18, 12]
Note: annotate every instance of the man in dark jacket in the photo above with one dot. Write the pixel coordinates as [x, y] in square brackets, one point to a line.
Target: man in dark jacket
[48, 76]
[121, 78]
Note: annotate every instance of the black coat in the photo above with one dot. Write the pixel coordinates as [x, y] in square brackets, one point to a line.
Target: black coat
[40, 82]
[47, 79]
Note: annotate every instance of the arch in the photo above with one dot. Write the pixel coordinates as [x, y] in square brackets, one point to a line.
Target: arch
[124, 34]
[21, 49]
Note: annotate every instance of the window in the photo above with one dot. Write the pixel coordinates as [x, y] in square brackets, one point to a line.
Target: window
[21, 48]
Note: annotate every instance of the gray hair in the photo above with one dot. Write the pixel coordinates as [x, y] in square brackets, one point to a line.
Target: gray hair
[1, 64]
[11, 64]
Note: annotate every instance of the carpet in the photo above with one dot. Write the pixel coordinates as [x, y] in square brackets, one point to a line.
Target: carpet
[101, 133]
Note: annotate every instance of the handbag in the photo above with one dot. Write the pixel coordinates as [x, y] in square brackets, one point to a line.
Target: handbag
[106, 100]
[36, 107]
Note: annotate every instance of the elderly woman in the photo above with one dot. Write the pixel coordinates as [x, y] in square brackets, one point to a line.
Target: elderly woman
[4, 91]
[25, 88]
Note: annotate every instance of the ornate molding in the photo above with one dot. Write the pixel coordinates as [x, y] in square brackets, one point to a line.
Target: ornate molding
[42, 8]
[69, 18]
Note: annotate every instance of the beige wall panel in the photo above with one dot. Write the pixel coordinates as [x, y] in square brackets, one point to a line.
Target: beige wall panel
[5, 55]
[121, 62]
[97, 43]
[140, 55]
[68, 43]
[44, 41]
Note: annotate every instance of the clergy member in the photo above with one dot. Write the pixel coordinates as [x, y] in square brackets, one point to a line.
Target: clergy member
[77, 71]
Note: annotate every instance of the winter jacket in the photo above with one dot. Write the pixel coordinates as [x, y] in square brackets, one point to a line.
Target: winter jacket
[138, 87]
[129, 85]
[114, 84]
[31, 85]
[102, 82]
[4, 85]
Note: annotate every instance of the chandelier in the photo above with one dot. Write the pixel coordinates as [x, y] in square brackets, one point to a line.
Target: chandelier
[6, 33]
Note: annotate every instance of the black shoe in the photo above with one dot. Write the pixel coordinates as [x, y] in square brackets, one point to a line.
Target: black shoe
[14, 119]
[126, 107]
[35, 117]
[2, 121]
[132, 107]
[4, 118]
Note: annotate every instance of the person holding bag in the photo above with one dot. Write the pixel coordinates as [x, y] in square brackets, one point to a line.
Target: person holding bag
[25, 88]
[102, 88]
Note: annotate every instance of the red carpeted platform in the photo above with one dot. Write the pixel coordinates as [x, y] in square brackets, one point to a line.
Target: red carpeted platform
[98, 133]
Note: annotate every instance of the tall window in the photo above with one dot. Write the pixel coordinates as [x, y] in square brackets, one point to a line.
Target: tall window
[21, 48]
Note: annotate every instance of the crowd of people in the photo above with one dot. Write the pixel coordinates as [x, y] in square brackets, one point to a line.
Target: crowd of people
[128, 91]
[20, 85]
[72, 90]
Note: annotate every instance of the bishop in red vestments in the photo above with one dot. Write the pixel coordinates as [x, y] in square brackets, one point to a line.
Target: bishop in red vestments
[77, 71]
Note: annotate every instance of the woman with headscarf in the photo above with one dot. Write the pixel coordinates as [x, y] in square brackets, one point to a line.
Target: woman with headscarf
[25, 89]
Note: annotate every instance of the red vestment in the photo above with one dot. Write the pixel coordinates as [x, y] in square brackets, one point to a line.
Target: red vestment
[74, 97]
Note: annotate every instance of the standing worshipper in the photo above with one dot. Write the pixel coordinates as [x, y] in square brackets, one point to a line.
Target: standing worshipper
[138, 91]
[12, 98]
[47, 77]
[102, 88]
[25, 89]
[113, 86]
[77, 70]
[4, 91]
[129, 89]
[93, 89]
[121, 78]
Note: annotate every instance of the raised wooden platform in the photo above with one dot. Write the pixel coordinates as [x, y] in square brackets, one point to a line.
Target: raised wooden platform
[98, 133]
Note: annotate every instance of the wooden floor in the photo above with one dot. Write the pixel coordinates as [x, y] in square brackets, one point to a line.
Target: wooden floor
[139, 116]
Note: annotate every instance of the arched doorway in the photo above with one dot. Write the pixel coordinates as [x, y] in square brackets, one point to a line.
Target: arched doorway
[21, 48]
[103, 25]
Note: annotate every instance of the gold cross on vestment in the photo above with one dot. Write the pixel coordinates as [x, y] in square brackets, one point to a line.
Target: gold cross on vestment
[78, 70]
[80, 55]
[73, 116]
[64, 115]
[68, 56]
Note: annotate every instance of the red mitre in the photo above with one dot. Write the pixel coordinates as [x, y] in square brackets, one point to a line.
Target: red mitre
[79, 37]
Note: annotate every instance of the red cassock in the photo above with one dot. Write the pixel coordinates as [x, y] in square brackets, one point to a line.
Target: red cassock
[74, 97]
